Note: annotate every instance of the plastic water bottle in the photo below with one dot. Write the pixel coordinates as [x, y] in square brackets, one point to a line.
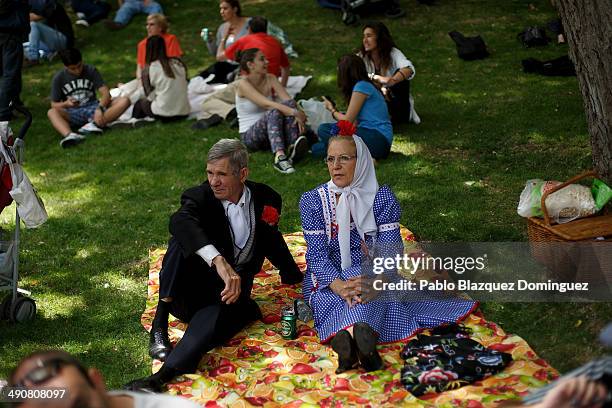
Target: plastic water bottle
[204, 34]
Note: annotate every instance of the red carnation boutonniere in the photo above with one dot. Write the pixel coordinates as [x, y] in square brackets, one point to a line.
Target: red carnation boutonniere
[270, 215]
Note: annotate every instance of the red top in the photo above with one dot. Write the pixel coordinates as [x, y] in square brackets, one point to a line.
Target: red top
[269, 45]
[173, 48]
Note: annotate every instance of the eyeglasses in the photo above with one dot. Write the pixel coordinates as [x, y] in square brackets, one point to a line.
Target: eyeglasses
[48, 369]
[342, 159]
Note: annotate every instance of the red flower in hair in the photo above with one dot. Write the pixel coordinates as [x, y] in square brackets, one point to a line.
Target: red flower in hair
[270, 215]
[346, 128]
[343, 128]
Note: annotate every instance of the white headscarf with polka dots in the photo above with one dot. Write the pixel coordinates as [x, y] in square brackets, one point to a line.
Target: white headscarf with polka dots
[356, 201]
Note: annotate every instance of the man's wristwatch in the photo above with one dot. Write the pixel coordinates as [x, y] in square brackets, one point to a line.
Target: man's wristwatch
[102, 108]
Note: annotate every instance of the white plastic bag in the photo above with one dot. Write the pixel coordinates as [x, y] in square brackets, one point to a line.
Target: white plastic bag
[315, 112]
[569, 203]
[29, 205]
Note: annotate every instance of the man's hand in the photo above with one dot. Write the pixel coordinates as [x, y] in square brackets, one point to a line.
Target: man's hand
[232, 289]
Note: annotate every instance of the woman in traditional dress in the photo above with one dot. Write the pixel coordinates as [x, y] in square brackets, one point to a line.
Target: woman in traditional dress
[342, 219]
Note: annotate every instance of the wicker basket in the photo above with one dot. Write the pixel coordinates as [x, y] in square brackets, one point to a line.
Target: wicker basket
[541, 231]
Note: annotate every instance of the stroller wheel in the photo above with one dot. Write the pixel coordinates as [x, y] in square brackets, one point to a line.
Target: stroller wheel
[22, 310]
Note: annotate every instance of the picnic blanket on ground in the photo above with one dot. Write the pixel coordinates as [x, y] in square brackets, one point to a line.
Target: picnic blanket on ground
[259, 368]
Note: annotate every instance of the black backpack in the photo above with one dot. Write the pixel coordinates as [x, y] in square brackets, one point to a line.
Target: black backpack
[533, 37]
[562, 66]
[469, 48]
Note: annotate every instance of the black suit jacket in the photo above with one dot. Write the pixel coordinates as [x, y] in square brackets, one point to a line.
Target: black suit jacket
[201, 221]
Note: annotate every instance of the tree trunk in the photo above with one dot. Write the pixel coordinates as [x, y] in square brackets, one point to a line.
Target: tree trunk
[588, 30]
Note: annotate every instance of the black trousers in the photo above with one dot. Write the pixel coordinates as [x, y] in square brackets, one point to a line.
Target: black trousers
[11, 60]
[195, 289]
[94, 10]
[399, 102]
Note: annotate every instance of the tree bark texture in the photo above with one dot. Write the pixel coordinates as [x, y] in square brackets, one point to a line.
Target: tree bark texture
[588, 30]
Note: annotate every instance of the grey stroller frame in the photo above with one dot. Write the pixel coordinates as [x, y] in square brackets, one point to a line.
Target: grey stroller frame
[17, 307]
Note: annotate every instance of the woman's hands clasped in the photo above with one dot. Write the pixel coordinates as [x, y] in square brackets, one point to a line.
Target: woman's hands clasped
[355, 290]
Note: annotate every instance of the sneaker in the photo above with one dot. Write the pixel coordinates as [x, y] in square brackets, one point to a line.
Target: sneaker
[72, 139]
[143, 121]
[89, 128]
[298, 150]
[122, 124]
[82, 23]
[282, 164]
[80, 16]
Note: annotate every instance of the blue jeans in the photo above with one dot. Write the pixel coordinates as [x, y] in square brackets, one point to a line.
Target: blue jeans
[377, 143]
[44, 38]
[132, 7]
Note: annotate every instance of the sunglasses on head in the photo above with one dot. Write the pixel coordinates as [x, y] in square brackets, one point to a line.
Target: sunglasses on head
[47, 369]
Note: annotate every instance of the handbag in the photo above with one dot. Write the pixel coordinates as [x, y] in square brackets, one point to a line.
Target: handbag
[315, 112]
[469, 48]
[29, 205]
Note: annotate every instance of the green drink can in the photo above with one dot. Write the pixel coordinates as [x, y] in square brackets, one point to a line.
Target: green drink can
[288, 323]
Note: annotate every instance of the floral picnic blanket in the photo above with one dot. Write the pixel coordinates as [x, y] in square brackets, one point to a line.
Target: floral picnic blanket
[259, 368]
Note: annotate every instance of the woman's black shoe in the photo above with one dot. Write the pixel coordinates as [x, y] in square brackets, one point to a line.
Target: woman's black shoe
[344, 345]
[365, 339]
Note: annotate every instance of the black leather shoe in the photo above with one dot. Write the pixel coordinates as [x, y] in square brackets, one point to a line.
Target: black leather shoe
[365, 339]
[146, 384]
[159, 344]
[344, 345]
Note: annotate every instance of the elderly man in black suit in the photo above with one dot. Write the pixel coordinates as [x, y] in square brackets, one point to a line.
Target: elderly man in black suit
[220, 237]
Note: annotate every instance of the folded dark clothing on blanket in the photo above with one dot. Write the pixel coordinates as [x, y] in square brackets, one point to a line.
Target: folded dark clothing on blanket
[447, 359]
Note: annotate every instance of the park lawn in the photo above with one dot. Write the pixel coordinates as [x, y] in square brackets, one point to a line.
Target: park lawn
[484, 122]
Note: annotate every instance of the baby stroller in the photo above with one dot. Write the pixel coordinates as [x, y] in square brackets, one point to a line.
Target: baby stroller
[16, 307]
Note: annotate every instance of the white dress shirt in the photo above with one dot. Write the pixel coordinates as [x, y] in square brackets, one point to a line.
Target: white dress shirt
[239, 219]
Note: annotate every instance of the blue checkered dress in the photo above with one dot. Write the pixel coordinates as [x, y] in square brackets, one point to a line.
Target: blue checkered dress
[393, 320]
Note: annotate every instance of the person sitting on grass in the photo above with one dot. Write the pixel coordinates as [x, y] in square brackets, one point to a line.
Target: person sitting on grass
[278, 62]
[264, 123]
[221, 234]
[157, 24]
[389, 70]
[50, 31]
[165, 85]
[366, 108]
[346, 220]
[74, 103]
[57, 370]
[129, 8]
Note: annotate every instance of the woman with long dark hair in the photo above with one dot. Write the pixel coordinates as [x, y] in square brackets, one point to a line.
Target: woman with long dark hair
[390, 70]
[366, 108]
[165, 84]
[268, 117]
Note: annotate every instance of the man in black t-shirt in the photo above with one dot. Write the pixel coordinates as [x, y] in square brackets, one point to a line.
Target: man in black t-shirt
[51, 30]
[74, 102]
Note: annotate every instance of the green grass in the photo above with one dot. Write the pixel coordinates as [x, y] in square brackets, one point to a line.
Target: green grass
[109, 199]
